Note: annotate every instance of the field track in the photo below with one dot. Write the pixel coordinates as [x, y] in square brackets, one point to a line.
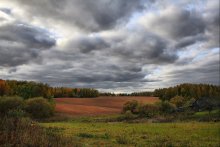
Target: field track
[96, 106]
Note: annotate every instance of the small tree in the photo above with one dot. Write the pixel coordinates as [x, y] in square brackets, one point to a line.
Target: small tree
[39, 108]
[178, 101]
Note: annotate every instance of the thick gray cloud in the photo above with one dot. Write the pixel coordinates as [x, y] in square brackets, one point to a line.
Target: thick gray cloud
[126, 45]
[179, 23]
[21, 43]
[29, 35]
[86, 44]
[187, 41]
[203, 74]
[212, 19]
[86, 14]
[136, 47]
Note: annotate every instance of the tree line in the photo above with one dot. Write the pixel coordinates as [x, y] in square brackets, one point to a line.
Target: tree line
[185, 90]
[29, 89]
[189, 91]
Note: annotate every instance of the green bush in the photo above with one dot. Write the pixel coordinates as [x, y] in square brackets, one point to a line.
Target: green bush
[166, 107]
[189, 103]
[39, 108]
[128, 115]
[131, 106]
[178, 101]
[148, 110]
[8, 104]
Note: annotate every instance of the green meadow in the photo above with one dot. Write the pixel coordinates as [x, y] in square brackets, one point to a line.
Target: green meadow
[192, 134]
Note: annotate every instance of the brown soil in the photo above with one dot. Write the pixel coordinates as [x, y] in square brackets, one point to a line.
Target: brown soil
[96, 106]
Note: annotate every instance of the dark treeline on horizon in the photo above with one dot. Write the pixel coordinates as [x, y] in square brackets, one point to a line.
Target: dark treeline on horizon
[188, 90]
[29, 89]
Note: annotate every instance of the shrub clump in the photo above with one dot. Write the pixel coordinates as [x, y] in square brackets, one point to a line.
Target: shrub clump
[166, 107]
[10, 104]
[128, 115]
[148, 110]
[39, 108]
[134, 109]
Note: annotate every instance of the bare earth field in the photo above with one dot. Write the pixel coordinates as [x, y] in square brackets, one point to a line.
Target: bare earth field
[96, 106]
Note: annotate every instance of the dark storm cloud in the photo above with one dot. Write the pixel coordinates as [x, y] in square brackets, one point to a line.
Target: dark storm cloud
[135, 47]
[143, 47]
[86, 14]
[117, 77]
[67, 74]
[185, 26]
[187, 41]
[30, 36]
[207, 73]
[21, 43]
[86, 70]
[78, 78]
[86, 44]
[178, 23]
[212, 19]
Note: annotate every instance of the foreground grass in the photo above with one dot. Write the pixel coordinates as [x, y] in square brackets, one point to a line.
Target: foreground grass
[195, 134]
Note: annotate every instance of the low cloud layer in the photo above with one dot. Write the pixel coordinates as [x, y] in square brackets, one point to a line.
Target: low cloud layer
[111, 45]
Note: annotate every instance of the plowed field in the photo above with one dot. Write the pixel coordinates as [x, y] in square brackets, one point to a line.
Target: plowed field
[96, 106]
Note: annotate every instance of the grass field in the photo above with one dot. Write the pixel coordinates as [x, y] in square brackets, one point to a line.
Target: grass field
[193, 134]
[96, 106]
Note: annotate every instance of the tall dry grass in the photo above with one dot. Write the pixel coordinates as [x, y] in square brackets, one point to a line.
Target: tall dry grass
[22, 132]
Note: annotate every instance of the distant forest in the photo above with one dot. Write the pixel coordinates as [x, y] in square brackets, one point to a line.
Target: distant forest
[185, 90]
[195, 91]
[29, 89]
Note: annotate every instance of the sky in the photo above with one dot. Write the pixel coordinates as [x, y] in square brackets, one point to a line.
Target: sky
[110, 45]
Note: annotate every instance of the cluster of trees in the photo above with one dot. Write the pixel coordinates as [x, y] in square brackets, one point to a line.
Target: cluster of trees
[146, 93]
[176, 107]
[31, 89]
[36, 108]
[181, 98]
[186, 90]
[59, 92]
[191, 96]
[148, 110]
[195, 91]
[24, 89]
